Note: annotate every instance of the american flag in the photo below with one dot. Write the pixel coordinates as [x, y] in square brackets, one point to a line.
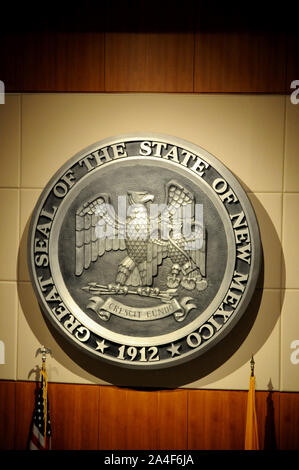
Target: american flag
[40, 438]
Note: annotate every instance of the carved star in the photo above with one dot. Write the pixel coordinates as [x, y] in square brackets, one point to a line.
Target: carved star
[101, 346]
[174, 349]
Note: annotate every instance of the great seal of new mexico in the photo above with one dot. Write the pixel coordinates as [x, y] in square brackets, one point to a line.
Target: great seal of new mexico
[144, 251]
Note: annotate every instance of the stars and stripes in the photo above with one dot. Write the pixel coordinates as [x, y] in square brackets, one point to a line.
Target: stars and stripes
[40, 438]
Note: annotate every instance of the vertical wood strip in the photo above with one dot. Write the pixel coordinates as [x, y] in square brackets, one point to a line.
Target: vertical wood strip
[172, 419]
[25, 401]
[216, 420]
[289, 421]
[128, 419]
[149, 62]
[112, 426]
[7, 414]
[53, 61]
[240, 62]
[292, 61]
[74, 416]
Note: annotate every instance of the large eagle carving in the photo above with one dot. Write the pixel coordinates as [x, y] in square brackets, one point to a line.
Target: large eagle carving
[145, 250]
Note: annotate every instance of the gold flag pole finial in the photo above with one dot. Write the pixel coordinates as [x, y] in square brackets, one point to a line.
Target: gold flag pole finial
[252, 365]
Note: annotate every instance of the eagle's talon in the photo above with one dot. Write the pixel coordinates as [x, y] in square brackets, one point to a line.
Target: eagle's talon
[188, 283]
[187, 268]
[201, 285]
[173, 281]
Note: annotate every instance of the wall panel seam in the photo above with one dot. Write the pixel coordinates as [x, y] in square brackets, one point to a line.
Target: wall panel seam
[99, 417]
[187, 421]
[19, 230]
[287, 40]
[21, 140]
[41, 188]
[15, 416]
[282, 238]
[104, 58]
[194, 58]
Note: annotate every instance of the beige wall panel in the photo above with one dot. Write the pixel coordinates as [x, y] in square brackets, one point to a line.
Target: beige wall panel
[262, 341]
[290, 240]
[28, 199]
[290, 342]
[291, 180]
[33, 332]
[268, 207]
[8, 330]
[245, 132]
[9, 215]
[10, 141]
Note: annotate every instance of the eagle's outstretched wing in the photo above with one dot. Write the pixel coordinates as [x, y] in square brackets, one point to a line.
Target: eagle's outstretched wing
[177, 197]
[97, 231]
[182, 202]
[198, 255]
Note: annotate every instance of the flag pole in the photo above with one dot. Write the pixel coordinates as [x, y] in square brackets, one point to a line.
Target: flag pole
[44, 351]
[251, 431]
[41, 431]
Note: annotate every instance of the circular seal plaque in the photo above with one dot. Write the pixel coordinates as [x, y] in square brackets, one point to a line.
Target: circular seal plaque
[144, 251]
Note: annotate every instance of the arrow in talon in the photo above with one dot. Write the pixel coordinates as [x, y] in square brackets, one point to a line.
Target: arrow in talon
[165, 295]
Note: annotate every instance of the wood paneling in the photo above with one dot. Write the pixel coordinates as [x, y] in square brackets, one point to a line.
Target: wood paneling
[105, 417]
[289, 421]
[74, 411]
[191, 47]
[292, 60]
[7, 415]
[74, 416]
[50, 61]
[221, 62]
[172, 419]
[25, 401]
[216, 419]
[136, 419]
[240, 62]
[149, 62]
[128, 419]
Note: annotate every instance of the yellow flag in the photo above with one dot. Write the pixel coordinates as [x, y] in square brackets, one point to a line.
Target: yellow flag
[251, 432]
[45, 396]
